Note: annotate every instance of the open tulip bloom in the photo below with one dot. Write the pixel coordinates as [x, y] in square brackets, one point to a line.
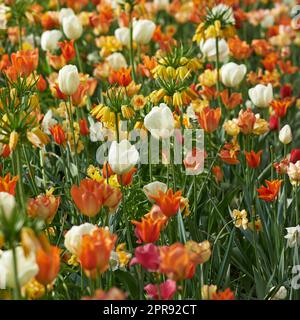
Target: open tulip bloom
[149, 150]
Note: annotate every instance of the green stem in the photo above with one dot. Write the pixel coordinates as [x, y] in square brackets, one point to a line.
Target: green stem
[79, 62]
[17, 291]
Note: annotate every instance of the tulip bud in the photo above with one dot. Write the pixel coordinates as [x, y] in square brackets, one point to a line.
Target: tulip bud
[122, 157]
[49, 40]
[232, 74]
[64, 13]
[123, 36]
[285, 135]
[261, 95]
[117, 61]
[72, 27]
[68, 79]
[143, 31]
[7, 204]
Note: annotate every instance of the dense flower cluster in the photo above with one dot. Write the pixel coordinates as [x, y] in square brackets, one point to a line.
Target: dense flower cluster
[101, 195]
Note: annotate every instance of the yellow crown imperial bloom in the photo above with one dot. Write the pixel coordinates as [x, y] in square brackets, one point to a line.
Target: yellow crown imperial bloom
[177, 99]
[211, 32]
[171, 72]
[13, 140]
[199, 34]
[127, 112]
[37, 137]
[183, 73]
[113, 181]
[194, 64]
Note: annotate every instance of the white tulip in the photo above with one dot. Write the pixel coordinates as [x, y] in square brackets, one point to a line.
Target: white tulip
[285, 135]
[261, 95]
[117, 61]
[72, 27]
[7, 204]
[27, 267]
[64, 13]
[68, 79]
[232, 74]
[153, 188]
[49, 40]
[122, 156]
[74, 236]
[209, 49]
[143, 31]
[293, 236]
[48, 121]
[123, 36]
[160, 122]
[161, 4]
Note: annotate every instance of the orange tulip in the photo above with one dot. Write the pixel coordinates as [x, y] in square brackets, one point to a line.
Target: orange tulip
[148, 230]
[88, 197]
[126, 178]
[91, 195]
[223, 295]
[95, 251]
[8, 185]
[43, 206]
[253, 159]
[246, 121]
[218, 173]
[280, 107]
[209, 119]
[25, 62]
[176, 262]
[270, 192]
[107, 170]
[67, 50]
[58, 134]
[48, 261]
[231, 101]
[229, 154]
[168, 202]
[122, 77]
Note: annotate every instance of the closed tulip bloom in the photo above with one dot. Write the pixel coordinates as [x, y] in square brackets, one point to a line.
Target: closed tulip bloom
[160, 122]
[27, 267]
[295, 155]
[64, 13]
[117, 61]
[143, 31]
[293, 172]
[122, 156]
[123, 36]
[253, 159]
[73, 237]
[49, 40]
[7, 204]
[72, 27]
[148, 256]
[285, 135]
[176, 262]
[95, 251]
[48, 261]
[261, 95]
[43, 207]
[209, 119]
[232, 74]
[209, 49]
[68, 79]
